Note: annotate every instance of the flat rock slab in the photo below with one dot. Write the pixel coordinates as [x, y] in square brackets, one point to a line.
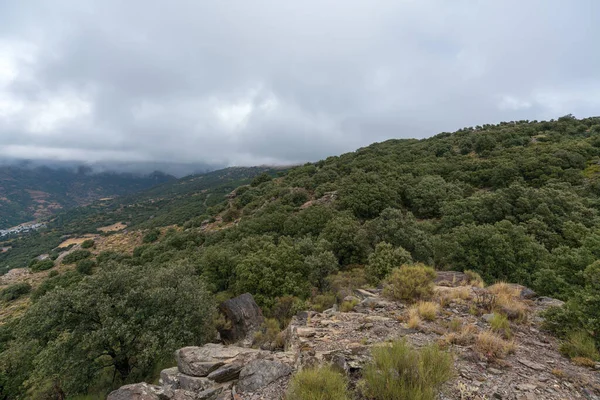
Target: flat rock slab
[137, 391]
[260, 373]
[531, 364]
[226, 373]
[201, 361]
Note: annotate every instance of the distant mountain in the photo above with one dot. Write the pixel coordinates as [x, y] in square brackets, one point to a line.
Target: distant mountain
[32, 193]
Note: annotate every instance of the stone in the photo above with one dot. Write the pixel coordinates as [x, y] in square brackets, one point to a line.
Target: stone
[201, 361]
[372, 302]
[137, 391]
[193, 383]
[547, 302]
[225, 395]
[199, 369]
[209, 394]
[260, 373]
[180, 394]
[526, 387]
[169, 377]
[487, 317]
[352, 299]
[339, 362]
[244, 317]
[451, 278]
[226, 373]
[531, 364]
[305, 332]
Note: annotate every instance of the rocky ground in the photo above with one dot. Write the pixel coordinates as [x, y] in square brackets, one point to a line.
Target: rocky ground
[532, 369]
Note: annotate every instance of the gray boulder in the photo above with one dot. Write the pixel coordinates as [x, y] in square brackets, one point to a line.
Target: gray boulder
[226, 373]
[169, 377]
[138, 391]
[244, 318]
[193, 383]
[260, 373]
[201, 361]
[451, 278]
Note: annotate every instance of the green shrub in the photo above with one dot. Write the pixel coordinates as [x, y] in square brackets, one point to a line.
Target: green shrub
[15, 291]
[231, 214]
[384, 259]
[52, 274]
[85, 266]
[348, 306]
[151, 236]
[318, 384]
[403, 373]
[410, 283]
[322, 302]
[88, 243]
[42, 265]
[500, 324]
[75, 256]
[579, 344]
[269, 335]
[344, 283]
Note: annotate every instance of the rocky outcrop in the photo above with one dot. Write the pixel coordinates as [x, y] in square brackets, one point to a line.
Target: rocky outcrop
[243, 317]
[138, 391]
[534, 370]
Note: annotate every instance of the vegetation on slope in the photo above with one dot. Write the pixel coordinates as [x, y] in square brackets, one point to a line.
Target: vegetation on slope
[30, 193]
[516, 201]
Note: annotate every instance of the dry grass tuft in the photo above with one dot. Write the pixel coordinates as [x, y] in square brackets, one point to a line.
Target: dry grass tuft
[446, 295]
[414, 321]
[508, 301]
[493, 346]
[462, 336]
[584, 362]
[427, 310]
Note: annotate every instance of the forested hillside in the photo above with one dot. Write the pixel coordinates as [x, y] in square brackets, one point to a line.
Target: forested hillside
[516, 201]
[30, 193]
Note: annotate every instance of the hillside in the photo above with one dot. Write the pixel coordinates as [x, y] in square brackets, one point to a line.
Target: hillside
[187, 200]
[514, 202]
[28, 194]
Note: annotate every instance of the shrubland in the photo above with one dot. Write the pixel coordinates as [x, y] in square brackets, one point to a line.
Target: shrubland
[515, 202]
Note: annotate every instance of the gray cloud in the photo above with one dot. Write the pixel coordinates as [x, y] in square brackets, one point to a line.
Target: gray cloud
[242, 82]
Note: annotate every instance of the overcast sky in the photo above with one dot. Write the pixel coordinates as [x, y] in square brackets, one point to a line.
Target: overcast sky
[254, 82]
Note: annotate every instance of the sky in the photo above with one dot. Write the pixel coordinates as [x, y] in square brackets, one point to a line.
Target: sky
[241, 82]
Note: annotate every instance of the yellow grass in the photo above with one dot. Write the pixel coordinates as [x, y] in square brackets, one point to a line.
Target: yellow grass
[508, 301]
[414, 322]
[426, 310]
[493, 346]
[462, 335]
[113, 228]
[583, 362]
[445, 295]
[77, 240]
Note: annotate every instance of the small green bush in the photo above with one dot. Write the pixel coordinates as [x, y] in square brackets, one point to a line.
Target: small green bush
[403, 373]
[318, 384]
[52, 274]
[410, 283]
[75, 256]
[322, 302]
[151, 236]
[269, 335]
[474, 278]
[13, 292]
[579, 344]
[384, 259]
[348, 306]
[500, 324]
[85, 266]
[88, 243]
[42, 265]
